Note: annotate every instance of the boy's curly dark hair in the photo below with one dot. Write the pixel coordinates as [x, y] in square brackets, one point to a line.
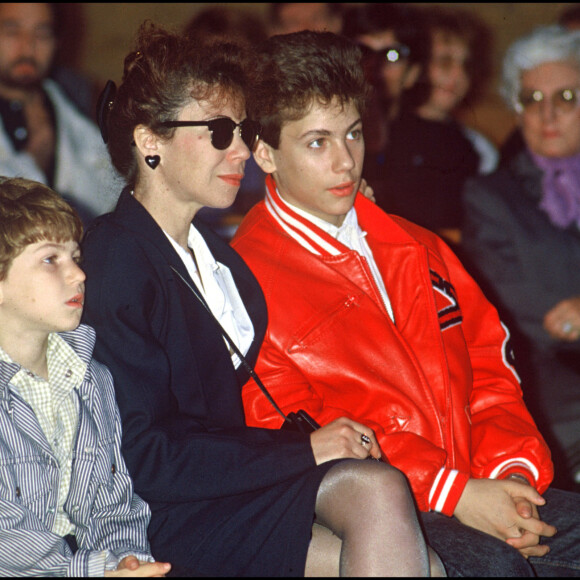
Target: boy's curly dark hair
[294, 70]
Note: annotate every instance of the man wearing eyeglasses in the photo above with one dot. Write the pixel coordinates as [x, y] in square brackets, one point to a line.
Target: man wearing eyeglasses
[396, 50]
[43, 136]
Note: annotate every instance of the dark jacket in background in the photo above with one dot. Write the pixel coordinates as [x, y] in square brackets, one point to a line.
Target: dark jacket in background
[528, 265]
[421, 175]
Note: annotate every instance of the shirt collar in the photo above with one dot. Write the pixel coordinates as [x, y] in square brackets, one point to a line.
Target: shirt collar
[60, 355]
[350, 220]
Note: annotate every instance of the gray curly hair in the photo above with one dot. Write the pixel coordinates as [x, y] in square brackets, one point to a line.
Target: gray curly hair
[552, 43]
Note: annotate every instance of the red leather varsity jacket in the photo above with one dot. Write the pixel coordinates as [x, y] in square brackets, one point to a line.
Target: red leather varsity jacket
[436, 385]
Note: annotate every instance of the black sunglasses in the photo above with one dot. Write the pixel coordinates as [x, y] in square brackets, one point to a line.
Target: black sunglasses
[222, 130]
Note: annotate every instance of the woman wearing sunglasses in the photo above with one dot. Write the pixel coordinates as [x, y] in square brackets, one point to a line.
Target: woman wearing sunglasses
[226, 499]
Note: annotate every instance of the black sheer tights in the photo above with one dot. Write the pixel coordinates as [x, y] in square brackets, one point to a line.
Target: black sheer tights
[366, 525]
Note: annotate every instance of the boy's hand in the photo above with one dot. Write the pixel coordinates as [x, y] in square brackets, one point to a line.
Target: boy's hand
[131, 567]
[506, 510]
[528, 544]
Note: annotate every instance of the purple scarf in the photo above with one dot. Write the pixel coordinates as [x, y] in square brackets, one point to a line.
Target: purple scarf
[561, 189]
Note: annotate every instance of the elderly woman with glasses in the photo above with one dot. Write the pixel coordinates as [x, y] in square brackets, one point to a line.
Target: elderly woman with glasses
[522, 234]
[180, 319]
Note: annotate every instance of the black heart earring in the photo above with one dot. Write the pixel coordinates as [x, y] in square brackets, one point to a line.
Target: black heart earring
[153, 161]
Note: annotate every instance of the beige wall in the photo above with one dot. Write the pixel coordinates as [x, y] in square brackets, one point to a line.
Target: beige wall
[109, 29]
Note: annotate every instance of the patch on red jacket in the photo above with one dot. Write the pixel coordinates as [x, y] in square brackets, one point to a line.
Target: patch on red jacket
[446, 302]
[508, 355]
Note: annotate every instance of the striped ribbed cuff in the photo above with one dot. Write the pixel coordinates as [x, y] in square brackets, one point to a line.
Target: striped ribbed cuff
[446, 491]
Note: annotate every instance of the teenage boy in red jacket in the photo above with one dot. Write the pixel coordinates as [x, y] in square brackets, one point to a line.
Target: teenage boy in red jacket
[374, 318]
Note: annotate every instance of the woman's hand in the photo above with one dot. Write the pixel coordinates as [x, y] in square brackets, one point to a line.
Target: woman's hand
[367, 190]
[344, 438]
[562, 322]
[131, 567]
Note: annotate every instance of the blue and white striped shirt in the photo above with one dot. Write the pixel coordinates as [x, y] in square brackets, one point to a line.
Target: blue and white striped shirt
[110, 520]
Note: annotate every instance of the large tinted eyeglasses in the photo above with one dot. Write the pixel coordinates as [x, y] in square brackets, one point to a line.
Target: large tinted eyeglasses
[222, 130]
[388, 55]
[563, 101]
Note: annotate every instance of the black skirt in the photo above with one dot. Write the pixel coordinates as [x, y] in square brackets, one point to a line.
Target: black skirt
[263, 533]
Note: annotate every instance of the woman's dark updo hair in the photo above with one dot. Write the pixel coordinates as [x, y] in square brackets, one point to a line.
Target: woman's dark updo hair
[161, 76]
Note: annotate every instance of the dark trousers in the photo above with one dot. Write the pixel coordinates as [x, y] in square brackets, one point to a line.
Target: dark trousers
[467, 552]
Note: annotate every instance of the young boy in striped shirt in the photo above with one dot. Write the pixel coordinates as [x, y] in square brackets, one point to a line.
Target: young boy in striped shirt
[67, 506]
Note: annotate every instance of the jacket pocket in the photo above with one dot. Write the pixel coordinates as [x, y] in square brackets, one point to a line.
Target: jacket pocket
[325, 322]
[31, 482]
[110, 483]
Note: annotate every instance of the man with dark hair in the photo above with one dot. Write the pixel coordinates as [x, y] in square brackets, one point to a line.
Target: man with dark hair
[43, 136]
[396, 47]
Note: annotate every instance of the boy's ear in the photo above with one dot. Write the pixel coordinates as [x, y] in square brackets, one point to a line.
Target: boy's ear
[264, 157]
[145, 140]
